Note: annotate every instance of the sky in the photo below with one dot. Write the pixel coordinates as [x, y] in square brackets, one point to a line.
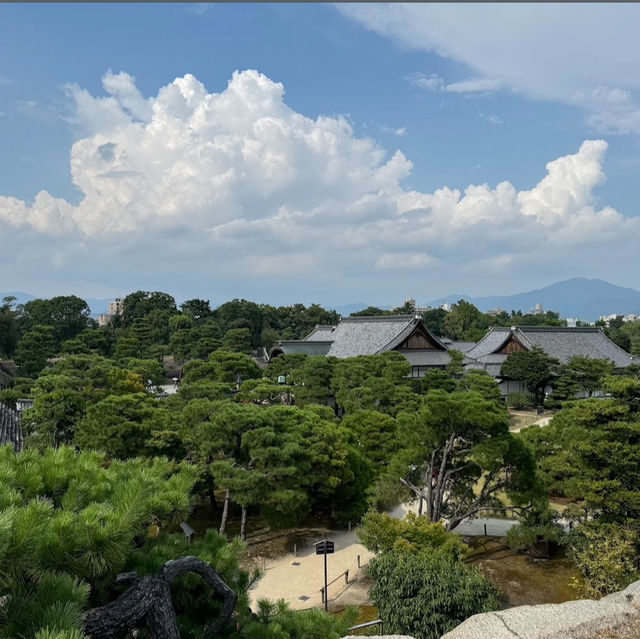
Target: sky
[315, 152]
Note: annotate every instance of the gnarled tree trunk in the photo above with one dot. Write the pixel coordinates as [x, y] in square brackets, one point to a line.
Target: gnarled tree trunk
[147, 604]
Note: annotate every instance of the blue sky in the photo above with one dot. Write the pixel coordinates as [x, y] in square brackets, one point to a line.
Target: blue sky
[282, 184]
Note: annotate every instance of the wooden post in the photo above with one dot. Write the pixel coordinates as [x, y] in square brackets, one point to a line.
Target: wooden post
[295, 550]
[358, 561]
[346, 577]
[349, 526]
[485, 530]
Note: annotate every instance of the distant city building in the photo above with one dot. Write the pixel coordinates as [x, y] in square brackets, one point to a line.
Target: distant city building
[538, 310]
[445, 307]
[494, 312]
[607, 319]
[411, 302]
[115, 307]
[573, 322]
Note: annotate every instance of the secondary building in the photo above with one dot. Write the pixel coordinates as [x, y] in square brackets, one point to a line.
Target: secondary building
[561, 343]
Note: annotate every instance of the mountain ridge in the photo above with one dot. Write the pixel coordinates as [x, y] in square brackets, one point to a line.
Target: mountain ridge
[578, 297]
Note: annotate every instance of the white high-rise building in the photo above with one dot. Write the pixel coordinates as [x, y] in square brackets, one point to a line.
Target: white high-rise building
[115, 307]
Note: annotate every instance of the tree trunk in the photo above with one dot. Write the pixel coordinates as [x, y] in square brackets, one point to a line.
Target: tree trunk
[212, 496]
[147, 604]
[225, 513]
[243, 524]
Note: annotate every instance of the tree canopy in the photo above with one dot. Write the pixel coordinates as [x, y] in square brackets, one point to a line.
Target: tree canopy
[535, 368]
[452, 442]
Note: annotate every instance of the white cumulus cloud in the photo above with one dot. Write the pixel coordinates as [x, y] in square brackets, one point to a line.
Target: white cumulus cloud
[236, 186]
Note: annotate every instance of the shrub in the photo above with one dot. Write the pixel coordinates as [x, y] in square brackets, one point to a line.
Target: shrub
[278, 621]
[607, 556]
[380, 532]
[425, 595]
[524, 537]
[520, 401]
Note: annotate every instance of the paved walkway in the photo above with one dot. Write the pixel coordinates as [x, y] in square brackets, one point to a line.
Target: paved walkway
[298, 579]
[490, 526]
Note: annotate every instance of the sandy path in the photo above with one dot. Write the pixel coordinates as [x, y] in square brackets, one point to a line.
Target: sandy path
[298, 579]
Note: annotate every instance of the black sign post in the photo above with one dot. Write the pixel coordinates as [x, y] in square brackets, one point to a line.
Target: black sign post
[325, 547]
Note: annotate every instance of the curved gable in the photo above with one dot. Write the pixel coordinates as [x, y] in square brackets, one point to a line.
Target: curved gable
[511, 345]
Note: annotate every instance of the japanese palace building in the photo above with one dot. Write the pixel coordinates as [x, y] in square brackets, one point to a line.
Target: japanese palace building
[408, 335]
[355, 336]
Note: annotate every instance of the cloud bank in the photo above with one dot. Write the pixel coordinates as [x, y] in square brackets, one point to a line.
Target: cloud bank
[237, 187]
[584, 56]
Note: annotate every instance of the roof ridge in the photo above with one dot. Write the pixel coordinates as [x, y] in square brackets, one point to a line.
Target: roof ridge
[568, 329]
[305, 341]
[378, 318]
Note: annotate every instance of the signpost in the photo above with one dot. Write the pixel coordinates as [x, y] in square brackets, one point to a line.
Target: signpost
[325, 547]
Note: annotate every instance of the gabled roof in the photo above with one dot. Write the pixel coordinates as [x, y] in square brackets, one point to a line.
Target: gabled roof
[560, 342]
[491, 342]
[355, 336]
[377, 334]
[10, 429]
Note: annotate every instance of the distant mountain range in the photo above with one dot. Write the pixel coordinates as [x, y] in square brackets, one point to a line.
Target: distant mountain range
[578, 297]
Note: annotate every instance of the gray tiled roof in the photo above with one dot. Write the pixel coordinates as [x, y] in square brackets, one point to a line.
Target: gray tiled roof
[355, 336]
[492, 341]
[10, 429]
[290, 347]
[427, 357]
[369, 335]
[321, 333]
[563, 343]
[463, 347]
